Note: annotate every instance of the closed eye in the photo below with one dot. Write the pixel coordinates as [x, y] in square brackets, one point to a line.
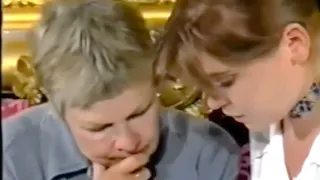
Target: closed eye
[99, 127]
[141, 112]
[227, 81]
[135, 115]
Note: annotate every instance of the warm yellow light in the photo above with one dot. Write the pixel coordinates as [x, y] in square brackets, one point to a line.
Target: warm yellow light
[34, 17]
[20, 17]
[156, 15]
[24, 18]
[17, 26]
[10, 63]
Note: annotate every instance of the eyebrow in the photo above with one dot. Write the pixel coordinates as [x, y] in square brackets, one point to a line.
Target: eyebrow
[139, 111]
[218, 75]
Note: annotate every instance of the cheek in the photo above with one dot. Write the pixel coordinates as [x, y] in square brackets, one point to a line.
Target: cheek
[260, 95]
[147, 126]
[251, 94]
[92, 144]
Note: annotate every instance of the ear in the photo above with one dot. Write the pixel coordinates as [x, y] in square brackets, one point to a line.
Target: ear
[296, 38]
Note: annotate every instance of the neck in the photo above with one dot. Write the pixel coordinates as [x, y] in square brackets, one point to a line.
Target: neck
[304, 127]
[303, 123]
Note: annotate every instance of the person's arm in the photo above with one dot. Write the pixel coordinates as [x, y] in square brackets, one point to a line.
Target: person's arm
[232, 168]
[220, 158]
[218, 164]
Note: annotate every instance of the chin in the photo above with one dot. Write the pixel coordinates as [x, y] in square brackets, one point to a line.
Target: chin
[149, 150]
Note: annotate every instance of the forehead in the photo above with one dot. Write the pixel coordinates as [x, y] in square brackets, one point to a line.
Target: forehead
[212, 66]
[116, 108]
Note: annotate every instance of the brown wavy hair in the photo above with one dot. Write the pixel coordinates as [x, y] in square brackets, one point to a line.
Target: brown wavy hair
[233, 31]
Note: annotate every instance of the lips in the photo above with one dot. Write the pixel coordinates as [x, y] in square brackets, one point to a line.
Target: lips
[243, 120]
[234, 116]
[230, 114]
[238, 117]
[115, 160]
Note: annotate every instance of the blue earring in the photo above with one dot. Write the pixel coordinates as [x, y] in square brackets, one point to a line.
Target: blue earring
[307, 103]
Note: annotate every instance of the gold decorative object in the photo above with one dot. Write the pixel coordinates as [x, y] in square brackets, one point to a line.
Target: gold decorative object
[16, 3]
[24, 82]
[174, 94]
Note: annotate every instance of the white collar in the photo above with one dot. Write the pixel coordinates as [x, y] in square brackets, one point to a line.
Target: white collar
[260, 144]
[315, 151]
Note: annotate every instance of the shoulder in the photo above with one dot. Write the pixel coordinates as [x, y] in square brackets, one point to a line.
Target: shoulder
[21, 136]
[213, 151]
[205, 133]
[23, 126]
[37, 144]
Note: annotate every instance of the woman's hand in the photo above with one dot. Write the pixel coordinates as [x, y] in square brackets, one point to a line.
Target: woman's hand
[131, 168]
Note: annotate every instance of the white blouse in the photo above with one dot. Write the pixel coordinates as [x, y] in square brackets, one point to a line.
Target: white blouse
[267, 158]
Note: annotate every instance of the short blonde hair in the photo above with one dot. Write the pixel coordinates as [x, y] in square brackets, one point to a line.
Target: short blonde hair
[89, 50]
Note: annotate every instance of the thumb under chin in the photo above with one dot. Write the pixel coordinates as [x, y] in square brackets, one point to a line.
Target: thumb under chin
[96, 170]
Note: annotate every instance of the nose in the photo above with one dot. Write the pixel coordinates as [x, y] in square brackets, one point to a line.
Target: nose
[212, 104]
[127, 140]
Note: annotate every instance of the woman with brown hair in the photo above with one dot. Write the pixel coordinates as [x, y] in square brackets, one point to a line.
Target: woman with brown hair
[258, 62]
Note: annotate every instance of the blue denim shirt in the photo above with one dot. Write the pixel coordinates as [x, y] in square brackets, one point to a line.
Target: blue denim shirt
[37, 145]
